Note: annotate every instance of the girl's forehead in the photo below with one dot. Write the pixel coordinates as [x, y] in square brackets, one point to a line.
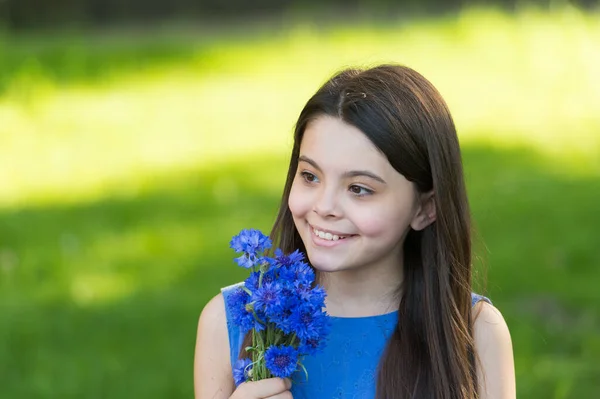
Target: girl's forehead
[334, 143]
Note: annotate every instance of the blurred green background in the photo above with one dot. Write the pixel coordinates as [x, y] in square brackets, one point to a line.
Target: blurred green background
[134, 142]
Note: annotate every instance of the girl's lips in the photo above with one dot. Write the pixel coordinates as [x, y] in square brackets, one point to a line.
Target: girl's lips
[321, 242]
[329, 231]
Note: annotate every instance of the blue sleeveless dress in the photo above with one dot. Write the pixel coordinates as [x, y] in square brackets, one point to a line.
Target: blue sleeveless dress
[347, 368]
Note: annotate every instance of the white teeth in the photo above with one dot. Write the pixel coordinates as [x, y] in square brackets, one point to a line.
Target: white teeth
[327, 236]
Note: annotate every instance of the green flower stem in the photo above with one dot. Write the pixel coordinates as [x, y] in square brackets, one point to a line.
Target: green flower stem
[255, 355]
[263, 269]
[262, 368]
[292, 339]
[257, 319]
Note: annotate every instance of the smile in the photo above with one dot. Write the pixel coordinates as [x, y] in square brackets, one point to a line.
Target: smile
[328, 238]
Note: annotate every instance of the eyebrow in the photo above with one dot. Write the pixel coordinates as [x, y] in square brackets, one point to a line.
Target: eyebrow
[351, 173]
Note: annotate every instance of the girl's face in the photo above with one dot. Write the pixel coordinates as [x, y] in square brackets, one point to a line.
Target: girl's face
[350, 206]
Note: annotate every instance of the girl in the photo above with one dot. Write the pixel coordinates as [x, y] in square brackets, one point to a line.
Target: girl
[375, 198]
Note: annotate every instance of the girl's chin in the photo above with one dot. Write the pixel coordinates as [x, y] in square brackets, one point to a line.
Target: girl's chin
[326, 266]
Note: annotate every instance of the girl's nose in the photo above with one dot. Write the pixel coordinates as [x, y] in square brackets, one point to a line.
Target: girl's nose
[327, 203]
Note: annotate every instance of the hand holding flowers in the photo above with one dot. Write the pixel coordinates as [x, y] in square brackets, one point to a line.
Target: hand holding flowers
[264, 389]
[279, 305]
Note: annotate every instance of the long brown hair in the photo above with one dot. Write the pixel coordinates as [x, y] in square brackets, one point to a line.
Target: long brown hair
[431, 352]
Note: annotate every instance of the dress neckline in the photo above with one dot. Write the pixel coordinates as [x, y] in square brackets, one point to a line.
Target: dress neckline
[356, 318]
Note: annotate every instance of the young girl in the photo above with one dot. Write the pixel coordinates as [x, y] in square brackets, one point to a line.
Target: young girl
[375, 198]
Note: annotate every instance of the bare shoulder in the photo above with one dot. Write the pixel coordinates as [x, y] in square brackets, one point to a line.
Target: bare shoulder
[493, 345]
[214, 313]
[212, 367]
[489, 322]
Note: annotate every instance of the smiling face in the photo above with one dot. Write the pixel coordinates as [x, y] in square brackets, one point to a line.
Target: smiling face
[351, 208]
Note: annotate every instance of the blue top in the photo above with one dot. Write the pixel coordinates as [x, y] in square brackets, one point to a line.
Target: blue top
[347, 368]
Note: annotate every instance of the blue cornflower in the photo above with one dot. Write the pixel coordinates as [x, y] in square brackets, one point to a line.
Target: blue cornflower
[297, 272]
[260, 321]
[290, 301]
[269, 276]
[281, 360]
[236, 303]
[268, 298]
[308, 322]
[305, 273]
[311, 346]
[252, 281]
[313, 296]
[250, 241]
[241, 370]
[288, 260]
[287, 274]
[247, 261]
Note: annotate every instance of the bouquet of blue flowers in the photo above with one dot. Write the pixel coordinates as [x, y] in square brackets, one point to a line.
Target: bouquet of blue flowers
[280, 305]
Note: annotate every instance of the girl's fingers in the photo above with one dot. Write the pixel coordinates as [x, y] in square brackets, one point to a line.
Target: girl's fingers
[282, 395]
[269, 388]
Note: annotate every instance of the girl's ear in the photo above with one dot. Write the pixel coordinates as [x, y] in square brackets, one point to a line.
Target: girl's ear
[425, 214]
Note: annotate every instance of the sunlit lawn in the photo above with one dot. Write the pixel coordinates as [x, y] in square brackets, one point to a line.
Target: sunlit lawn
[127, 161]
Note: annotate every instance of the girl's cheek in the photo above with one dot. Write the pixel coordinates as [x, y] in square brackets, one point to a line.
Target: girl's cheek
[298, 202]
[370, 226]
[377, 221]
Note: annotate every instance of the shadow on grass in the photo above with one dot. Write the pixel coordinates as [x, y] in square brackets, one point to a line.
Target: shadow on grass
[63, 58]
[60, 57]
[62, 336]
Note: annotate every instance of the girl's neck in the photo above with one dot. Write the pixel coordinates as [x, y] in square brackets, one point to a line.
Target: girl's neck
[363, 292]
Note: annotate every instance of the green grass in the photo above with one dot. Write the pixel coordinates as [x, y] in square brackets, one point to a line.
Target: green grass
[127, 161]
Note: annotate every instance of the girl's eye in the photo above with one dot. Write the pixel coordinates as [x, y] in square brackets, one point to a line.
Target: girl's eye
[309, 177]
[360, 191]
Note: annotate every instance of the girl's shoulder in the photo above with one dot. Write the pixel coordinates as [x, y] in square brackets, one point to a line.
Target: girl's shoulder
[213, 321]
[212, 367]
[476, 298]
[494, 348]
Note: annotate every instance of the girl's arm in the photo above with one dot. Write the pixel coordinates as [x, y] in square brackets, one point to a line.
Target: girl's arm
[212, 367]
[496, 371]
